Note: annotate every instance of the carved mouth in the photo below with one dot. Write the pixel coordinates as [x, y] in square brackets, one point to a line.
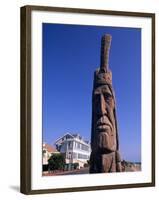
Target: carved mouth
[103, 124]
[104, 127]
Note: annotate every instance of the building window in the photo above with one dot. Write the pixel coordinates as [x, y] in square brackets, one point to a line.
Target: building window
[82, 156]
[69, 155]
[63, 147]
[70, 145]
[84, 147]
[74, 155]
[78, 145]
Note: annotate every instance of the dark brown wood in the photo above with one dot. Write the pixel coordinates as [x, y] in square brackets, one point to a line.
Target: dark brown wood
[153, 101]
[89, 11]
[25, 90]
[26, 98]
[91, 188]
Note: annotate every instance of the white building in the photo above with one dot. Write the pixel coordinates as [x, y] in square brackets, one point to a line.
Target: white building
[48, 151]
[74, 148]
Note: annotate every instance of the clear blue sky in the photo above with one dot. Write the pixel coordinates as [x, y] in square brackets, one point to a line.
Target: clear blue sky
[71, 53]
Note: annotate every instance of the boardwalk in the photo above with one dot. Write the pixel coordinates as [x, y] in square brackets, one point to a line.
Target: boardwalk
[77, 171]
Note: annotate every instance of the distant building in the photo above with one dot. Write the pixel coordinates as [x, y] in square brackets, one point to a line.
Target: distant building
[74, 148]
[48, 151]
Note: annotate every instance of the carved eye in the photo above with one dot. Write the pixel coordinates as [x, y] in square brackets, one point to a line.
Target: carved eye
[108, 98]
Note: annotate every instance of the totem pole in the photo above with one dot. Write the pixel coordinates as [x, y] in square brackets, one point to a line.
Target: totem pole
[105, 155]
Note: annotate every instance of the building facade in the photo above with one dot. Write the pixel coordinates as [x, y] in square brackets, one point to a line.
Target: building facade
[74, 148]
[48, 151]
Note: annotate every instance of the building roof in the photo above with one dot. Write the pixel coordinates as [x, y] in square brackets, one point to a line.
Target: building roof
[49, 148]
[59, 139]
[73, 136]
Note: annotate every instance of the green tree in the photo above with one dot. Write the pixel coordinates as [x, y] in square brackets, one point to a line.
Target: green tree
[56, 161]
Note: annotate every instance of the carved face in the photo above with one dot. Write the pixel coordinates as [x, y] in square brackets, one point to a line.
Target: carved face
[104, 120]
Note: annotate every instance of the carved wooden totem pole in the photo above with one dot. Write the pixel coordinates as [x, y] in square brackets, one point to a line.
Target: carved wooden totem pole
[105, 155]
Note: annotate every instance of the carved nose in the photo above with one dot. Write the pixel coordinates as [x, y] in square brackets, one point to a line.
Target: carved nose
[102, 105]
